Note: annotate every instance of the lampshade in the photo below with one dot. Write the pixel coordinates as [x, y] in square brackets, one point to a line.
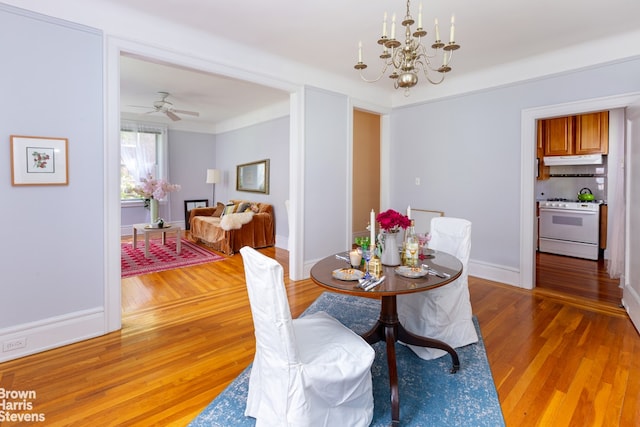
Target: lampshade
[213, 176]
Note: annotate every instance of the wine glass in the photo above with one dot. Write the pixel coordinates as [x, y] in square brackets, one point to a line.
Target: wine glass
[367, 253]
[423, 240]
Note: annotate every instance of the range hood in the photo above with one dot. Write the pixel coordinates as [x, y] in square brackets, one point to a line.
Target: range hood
[586, 159]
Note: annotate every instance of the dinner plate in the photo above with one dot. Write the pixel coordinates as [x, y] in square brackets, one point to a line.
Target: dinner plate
[411, 272]
[348, 274]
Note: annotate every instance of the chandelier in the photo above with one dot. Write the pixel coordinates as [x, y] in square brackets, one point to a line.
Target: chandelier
[412, 58]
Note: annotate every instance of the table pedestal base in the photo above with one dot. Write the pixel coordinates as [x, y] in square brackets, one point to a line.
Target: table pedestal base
[389, 329]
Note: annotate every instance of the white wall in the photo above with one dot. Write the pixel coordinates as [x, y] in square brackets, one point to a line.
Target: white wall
[53, 263]
[190, 155]
[326, 169]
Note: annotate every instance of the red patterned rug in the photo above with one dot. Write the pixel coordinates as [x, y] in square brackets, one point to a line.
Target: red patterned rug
[162, 257]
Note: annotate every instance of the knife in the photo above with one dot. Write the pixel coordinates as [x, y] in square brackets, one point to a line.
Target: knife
[374, 284]
[363, 283]
[344, 258]
[436, 272]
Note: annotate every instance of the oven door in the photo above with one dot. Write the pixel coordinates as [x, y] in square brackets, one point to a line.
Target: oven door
[569, 225]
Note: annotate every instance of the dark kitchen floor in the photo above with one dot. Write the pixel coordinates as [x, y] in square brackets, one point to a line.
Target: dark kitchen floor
[577, 277]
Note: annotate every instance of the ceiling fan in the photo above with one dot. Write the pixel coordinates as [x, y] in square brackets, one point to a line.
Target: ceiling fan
[166, 107]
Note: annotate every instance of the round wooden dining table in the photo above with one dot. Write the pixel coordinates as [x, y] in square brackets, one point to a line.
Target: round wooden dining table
[388, 327]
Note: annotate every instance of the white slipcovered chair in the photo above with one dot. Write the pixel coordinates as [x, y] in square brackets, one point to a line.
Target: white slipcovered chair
[307, 372]
[443, 313]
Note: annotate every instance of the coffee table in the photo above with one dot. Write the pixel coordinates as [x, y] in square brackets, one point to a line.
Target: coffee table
[147, 230]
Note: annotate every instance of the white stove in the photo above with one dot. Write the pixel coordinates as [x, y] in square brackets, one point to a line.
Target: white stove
[570, 227]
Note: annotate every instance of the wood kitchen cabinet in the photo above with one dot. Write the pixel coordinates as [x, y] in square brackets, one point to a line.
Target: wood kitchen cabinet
[604, 212]
[592, 133]
[558, 136]
[575, 135]
[543, 171]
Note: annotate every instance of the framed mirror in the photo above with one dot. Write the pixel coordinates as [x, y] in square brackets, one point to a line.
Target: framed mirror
[253, 177]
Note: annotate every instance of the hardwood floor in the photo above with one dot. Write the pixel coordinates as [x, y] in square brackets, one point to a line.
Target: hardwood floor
[557, 360]
[577, 277]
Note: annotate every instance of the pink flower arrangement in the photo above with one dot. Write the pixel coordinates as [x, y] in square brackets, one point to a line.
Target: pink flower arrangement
[151, 188]
[391, 221]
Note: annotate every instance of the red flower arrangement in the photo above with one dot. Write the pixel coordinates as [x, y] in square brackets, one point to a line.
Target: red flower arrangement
[391, 221]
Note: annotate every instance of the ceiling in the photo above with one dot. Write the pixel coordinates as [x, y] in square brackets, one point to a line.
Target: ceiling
[215, 98]
[325, 35]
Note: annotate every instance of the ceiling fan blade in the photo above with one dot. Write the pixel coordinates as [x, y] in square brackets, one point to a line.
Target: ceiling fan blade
[191, 113]
[172, 116]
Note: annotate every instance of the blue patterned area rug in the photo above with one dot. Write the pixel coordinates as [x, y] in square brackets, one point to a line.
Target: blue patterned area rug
[429, 394]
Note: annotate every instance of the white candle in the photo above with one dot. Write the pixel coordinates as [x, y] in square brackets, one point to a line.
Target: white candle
[372, 227]
[420, 16]
[360, 51]
[451, 39]
[409, 211]
[355, 257]
[437, 31]
[384, 25]
[393, 26]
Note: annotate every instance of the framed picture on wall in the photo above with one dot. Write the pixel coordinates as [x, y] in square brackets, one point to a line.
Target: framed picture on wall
[39, 160]
[253, 177]
[192, 204]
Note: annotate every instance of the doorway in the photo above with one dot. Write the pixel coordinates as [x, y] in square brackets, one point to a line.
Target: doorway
[528, 161]
[365, 170]
[116, 48]
[571, 274]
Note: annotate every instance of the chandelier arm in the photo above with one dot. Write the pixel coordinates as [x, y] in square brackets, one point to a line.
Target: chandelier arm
[371, 80]
[425, 62]
[434, 82]
[384, 70]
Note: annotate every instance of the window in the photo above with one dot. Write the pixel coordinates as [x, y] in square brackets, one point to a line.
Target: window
[142, 152]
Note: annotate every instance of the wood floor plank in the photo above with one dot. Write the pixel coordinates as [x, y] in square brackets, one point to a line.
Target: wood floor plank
[558, 359]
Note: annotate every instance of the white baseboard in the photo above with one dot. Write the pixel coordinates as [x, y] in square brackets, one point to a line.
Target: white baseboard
[494, 272]
[34, 337]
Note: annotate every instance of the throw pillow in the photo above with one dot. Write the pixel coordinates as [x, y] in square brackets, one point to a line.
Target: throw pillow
[242, 207]
[229, 209]
[219, 210]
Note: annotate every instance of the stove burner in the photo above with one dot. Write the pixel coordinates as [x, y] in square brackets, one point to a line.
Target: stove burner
[560, 199]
